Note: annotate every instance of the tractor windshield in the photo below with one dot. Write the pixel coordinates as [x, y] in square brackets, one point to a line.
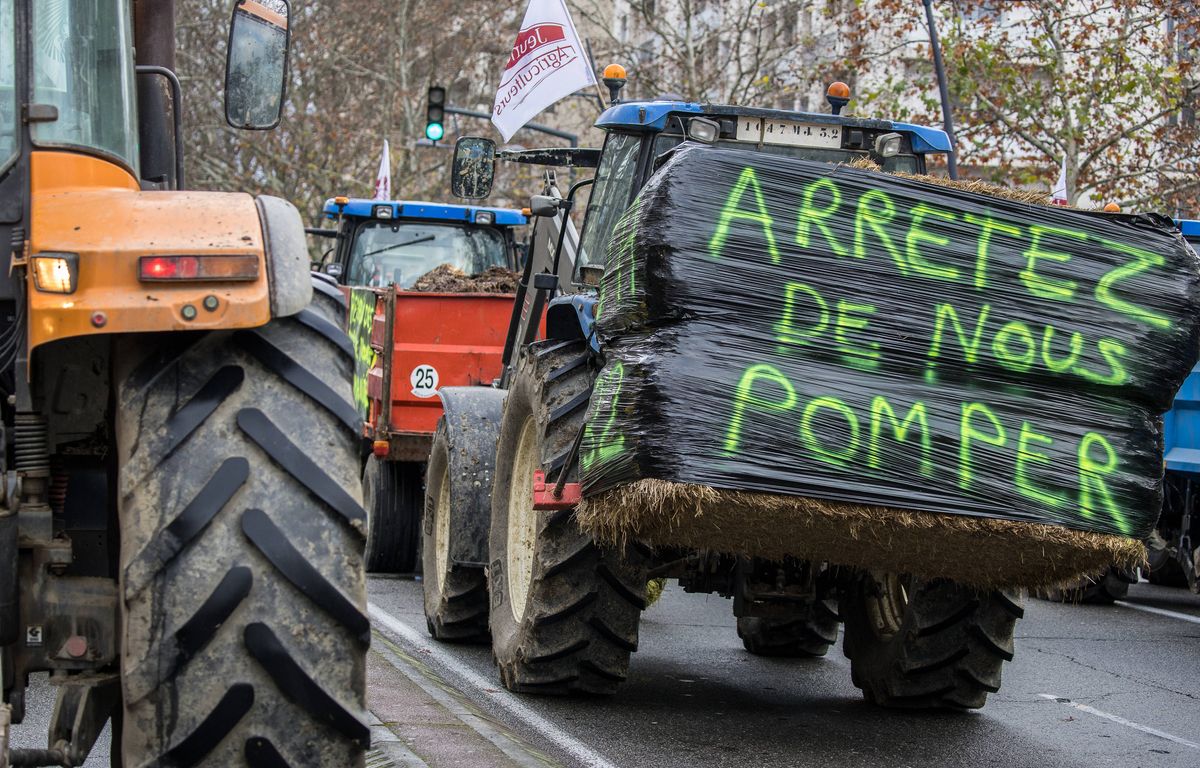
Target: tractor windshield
[83, 66]
[399, 253]
[8, 85]
[610, 196]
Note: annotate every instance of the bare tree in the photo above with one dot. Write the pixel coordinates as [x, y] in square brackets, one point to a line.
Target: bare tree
[725, 51]
[1107, 86]
[358, 73]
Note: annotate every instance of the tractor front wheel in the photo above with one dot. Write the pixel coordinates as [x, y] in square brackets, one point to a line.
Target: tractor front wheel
[243, 596]
[564, 610]
[456, 597]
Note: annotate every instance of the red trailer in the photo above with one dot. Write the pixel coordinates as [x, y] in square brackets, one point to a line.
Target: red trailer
[430, 288]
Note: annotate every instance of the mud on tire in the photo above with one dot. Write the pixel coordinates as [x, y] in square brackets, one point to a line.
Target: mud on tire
[456, 597]
[578, 623]
[243, 592]
[926, 644]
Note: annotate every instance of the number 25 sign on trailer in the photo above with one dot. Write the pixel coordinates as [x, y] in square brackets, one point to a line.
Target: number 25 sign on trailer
[424, 380]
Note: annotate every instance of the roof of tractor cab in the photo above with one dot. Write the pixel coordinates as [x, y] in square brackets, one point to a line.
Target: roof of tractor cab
[1189, 227]
[653, 116]
[417, 209]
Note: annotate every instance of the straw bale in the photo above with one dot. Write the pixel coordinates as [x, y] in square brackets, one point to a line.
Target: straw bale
[983, 552]
[977, 186]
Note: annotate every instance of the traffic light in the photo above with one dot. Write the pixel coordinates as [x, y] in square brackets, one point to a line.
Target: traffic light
[435, 113]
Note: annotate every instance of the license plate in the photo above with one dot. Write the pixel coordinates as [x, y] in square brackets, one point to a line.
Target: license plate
[789, 132]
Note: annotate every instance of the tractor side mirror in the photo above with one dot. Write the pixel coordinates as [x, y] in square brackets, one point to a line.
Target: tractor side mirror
[543, 205]
[474, 167]
[256, 64]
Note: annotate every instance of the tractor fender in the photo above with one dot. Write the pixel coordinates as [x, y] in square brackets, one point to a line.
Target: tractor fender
[288, 263]
[573, 317]
[472, 418]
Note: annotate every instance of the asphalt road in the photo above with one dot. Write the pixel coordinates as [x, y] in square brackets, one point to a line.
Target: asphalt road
[1090, 686]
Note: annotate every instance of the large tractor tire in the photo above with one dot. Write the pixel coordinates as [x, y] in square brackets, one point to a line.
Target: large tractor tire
[243, 592]
[392, 496]
[808, 632]
[926, 644]
[1163, 568]
[1103, 589]
[456, 597]
[564, 611]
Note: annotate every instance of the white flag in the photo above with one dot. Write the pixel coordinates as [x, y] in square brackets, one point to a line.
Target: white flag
[1059, 195]
[383, 179]
[547, 63]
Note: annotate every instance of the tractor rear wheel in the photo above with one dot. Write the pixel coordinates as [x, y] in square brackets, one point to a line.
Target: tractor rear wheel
[1163, 568]
[1104, 589]
[456, 597]
[243, 592]
[809, 631]
[392, 496]
[564, 611]
[926, 644]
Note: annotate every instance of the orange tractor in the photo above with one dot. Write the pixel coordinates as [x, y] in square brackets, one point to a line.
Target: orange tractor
[181, 533]
[431, 290]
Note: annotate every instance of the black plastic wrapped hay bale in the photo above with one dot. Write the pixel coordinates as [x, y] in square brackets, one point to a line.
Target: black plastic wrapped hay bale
[840, 365]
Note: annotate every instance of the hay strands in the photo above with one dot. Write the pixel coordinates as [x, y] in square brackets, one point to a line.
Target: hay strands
[982, 552]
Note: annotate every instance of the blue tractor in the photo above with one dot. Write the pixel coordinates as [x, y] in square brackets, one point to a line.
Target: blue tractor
[410, 336]
[503, 556]
[1174, 549]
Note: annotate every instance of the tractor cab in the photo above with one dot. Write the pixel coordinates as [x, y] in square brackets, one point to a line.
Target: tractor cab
[1191, 232]
[640, 134]
[1174, 549]
[430, 293]
[382, 243]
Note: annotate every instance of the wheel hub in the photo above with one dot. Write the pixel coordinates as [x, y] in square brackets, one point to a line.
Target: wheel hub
[441, 529]
[887, 608]
[522, 520]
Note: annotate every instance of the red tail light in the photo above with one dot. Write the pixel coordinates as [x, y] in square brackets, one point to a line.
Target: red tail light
[199, 268]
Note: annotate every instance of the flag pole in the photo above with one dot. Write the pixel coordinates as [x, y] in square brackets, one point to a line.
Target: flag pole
[943, 91]
[595, 80]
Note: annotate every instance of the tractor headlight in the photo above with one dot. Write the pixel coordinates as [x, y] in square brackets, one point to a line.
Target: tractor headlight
[382, 212]
[704, 131]
[56, 272]
[888, 144]
[485, 217]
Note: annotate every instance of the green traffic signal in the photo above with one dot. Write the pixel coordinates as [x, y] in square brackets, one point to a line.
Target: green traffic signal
[435, 113]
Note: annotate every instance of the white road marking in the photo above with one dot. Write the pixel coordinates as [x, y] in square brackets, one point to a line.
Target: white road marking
[492, 691]
[1159, 611]
[1121, 721]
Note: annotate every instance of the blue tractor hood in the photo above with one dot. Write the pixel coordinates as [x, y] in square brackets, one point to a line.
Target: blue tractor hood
[415, 209]
[652, 116]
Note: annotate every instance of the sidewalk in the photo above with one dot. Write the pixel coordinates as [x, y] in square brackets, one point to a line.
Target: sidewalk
[419, 720]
